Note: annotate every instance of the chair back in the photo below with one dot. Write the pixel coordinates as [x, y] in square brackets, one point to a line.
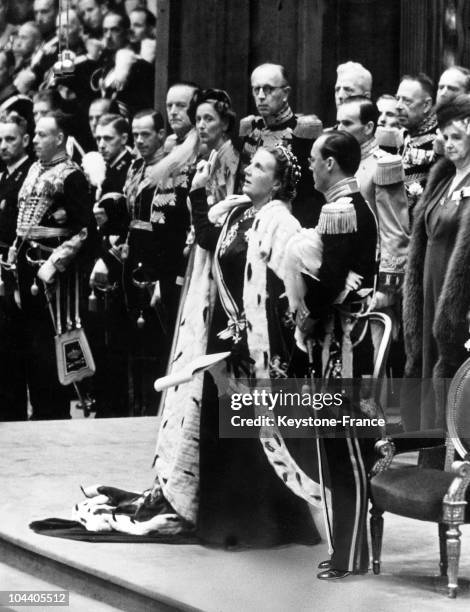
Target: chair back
[458, 410]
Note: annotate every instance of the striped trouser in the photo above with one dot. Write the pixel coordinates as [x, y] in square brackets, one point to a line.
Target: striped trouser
[348, 460]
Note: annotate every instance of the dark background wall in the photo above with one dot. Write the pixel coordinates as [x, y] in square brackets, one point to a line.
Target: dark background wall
[218, 42]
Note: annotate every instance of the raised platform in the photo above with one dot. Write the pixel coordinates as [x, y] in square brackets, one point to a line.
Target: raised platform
[42, 466]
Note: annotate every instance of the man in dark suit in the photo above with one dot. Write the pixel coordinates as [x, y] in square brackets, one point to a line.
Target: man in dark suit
[14, 141]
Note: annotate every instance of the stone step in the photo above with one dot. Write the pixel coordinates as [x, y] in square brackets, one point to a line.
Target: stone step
[42, 466]
[14, 579]
[22, 569]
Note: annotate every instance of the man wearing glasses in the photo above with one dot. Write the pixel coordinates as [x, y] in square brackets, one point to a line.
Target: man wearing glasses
[275, 124]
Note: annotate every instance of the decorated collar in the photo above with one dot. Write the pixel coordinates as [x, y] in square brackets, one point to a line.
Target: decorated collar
[57, 159]
[342, 188]
[283, 116]
[429, 124]
[16, 165]
[369, 147]
[117, 158]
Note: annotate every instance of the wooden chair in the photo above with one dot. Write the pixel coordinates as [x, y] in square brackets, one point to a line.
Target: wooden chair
[429, 493]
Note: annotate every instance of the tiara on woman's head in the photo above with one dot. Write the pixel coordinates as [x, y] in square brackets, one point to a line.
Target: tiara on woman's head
[293, 166]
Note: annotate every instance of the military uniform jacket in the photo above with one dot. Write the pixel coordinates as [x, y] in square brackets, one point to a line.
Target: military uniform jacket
[116, 173]
[10, 185]
[418, 156]
[381, 180]
[298, 132]
[342, 252]
[159, 221]
[48, 187]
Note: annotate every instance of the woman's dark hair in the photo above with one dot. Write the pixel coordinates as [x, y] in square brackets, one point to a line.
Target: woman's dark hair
[453, 110]
[344, 149]
[222, 104]
[287, 172]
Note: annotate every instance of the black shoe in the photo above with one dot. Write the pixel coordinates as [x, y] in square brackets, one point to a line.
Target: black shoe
[333, 574]
[324, 565]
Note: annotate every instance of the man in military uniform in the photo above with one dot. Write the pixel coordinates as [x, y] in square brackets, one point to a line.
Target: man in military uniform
[14, 142]
[417, 118]
[120, 250]
[349, 239]
[123, 75]
[277, 124]
[109, 322]
[158, 229]
[112, 133]
[54, 223]
[380, 176]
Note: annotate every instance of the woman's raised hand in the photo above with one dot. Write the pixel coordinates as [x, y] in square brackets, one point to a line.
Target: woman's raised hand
[203, 172]
[202, 175]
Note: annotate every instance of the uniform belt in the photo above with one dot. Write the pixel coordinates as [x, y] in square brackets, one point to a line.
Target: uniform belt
[141, 225]
[40, 232]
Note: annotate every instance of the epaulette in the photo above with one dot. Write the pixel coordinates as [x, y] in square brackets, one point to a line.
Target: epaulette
[247, 125]
[308, 126]
[389, 170]
[338, 217]
[388, 137]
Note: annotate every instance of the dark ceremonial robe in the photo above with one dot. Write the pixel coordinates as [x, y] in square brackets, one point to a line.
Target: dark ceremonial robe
[298, 133]
[242, 501]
